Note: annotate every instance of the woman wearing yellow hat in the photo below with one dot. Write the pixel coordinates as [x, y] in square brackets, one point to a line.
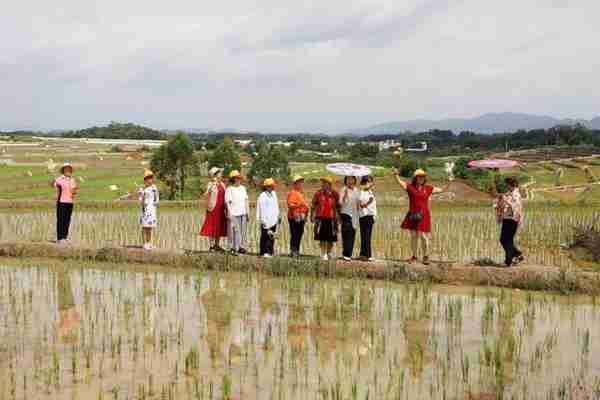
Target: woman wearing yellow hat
[297, 213]
[267, 217]
[149, 201]
[324, 213]
[238, 209]
[418, 218]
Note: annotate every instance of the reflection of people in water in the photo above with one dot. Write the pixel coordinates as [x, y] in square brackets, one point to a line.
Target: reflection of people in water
[69, 318]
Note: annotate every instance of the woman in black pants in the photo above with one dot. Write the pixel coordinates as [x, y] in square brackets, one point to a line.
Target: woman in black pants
[67, 188]
[368, 212]
[348, 214]
[509, 213]
[297, 213]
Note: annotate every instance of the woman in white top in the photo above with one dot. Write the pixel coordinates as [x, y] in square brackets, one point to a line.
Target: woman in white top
[236, 201]
[267, 216]
[149, 201]
[367, 212]
[349, 215]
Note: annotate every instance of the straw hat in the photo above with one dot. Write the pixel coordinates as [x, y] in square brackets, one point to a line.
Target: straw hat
[148, 174]
[420, 172]
[269, 182]
[235, 174]
[327, 179]
[213, 171]
[65, 165]
[297, 178]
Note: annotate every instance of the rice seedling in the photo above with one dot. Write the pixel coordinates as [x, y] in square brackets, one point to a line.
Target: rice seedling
[126, 333]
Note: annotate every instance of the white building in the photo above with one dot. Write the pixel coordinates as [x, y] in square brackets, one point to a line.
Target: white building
[281, 143]
[388, 144]
[242, 142]
[423, 148]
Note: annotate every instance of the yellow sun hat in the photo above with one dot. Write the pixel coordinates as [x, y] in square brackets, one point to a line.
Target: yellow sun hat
[327, 179]
[148, 174]
[235, 174]
[420, 172]
[269, 182]
[297, 178]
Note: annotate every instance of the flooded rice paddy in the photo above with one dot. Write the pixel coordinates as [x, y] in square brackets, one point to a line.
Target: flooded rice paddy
[74, 331]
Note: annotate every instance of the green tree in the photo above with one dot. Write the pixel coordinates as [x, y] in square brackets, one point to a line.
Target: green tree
[174, 162]
[270, 162]
[361, 151]
[225, 156]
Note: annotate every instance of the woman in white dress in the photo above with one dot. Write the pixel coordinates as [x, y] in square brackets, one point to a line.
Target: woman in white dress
[148, 196]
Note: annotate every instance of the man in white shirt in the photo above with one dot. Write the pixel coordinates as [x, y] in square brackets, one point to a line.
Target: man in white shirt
[236, 201]
[349, 215]
[267, 216]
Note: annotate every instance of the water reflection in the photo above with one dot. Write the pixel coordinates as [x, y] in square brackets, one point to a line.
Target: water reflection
[212, 335]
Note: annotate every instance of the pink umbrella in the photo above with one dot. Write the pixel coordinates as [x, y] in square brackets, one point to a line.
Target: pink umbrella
[493, 163]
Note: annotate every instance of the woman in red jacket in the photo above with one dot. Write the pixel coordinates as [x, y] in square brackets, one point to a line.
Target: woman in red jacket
[418, 218]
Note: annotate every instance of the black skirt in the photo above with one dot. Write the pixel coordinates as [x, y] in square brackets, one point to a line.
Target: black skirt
[326, 230]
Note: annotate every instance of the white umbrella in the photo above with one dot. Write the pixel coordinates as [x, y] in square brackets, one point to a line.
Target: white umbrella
[349, 169]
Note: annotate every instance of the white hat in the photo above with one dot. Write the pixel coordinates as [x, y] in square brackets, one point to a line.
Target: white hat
[213, 171]
[65, 165]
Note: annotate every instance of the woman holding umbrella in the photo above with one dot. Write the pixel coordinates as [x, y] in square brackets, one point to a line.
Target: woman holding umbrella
[349, 215]
[509, 214]
[324, 212]
[215, 223]
[418, 218]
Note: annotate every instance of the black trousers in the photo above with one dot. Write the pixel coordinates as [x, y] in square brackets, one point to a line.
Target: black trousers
[296, 232]
[63, 219]
[366, 230]
[348, 235]
[507, 239]
[267, 241]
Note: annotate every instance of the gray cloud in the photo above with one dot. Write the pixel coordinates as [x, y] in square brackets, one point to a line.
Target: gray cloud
[294, 65]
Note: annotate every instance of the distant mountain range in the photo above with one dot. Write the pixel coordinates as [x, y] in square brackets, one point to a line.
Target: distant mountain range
[487, 123]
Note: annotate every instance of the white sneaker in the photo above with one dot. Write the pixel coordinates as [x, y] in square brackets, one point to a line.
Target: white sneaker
[347, 258]
[324, 257]
[147, 246]
[267, 256]
[371, 259]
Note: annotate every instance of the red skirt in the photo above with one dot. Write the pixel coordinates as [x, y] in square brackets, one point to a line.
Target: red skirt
[423, 226]
[215, 223]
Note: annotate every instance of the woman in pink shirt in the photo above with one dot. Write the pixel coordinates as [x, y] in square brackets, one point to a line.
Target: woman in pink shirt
[66, 187]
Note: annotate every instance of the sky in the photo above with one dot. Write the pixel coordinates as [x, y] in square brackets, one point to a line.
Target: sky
[293, 65]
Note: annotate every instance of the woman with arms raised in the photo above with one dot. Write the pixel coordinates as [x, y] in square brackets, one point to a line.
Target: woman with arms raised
[418, 218]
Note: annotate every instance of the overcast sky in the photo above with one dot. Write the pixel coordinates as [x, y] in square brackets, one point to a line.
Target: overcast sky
[289, 64]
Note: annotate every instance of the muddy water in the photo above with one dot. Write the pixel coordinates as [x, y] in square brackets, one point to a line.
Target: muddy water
[92, 333]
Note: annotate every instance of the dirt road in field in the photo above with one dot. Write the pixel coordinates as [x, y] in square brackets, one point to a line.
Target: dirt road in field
[528, 277]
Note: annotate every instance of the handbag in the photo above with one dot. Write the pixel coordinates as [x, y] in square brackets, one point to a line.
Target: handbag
[415, 217]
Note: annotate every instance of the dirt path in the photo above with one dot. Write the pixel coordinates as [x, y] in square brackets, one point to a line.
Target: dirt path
[528, 277]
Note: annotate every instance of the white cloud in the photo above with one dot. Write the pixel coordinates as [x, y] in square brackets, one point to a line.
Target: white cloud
[288, 64]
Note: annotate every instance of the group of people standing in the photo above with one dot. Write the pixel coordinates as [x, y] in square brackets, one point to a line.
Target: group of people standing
[353, 208]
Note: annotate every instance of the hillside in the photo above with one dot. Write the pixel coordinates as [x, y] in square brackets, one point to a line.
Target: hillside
[487, 123]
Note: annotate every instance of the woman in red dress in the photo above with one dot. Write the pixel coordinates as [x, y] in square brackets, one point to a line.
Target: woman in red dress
[215, 223]
[418, 218]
